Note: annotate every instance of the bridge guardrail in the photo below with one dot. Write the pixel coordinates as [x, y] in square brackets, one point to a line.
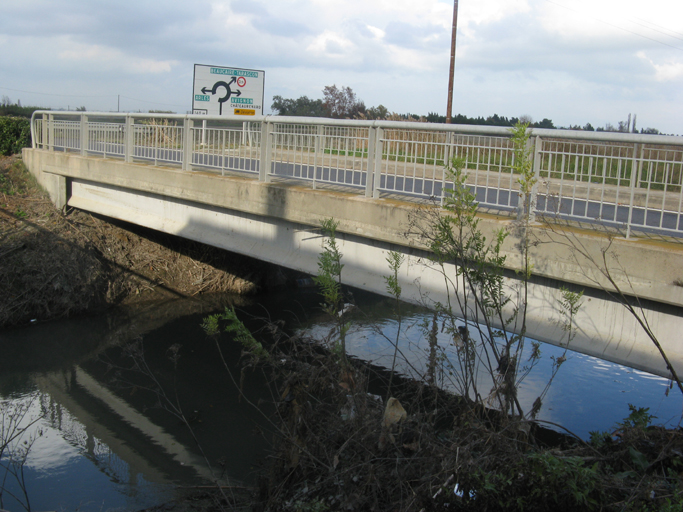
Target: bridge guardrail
[623, 180]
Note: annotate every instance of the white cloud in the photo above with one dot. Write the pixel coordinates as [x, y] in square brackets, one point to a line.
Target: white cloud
[88, 55]
[667, 72]
[330, 45]
[378, 33]
[563, 59]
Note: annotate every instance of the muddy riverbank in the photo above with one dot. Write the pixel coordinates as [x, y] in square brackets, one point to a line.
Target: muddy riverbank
[56, 264]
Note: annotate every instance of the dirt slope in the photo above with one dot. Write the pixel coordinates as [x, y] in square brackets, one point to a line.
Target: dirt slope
[60, 263]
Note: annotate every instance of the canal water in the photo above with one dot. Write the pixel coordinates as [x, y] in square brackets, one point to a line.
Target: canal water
[122, 409]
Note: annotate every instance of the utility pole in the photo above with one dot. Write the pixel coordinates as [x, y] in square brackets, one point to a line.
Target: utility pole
[449, 108]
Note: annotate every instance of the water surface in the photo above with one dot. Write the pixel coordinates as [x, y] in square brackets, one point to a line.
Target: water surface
[107, 438]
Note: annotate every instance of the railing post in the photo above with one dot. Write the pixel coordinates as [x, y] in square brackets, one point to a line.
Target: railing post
[526, 207]
[370, 176]
[84, 135]
[266, 150]
[34, 131]
[533, 197]
[246, 133]
[188, 144]
[50, 132]
[447, 149]
[129, 139]
[32, 126]
[377, 165]
[636, 164]
[318, 151]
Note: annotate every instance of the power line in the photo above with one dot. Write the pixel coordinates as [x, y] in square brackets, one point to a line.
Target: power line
[616, 26]
[655, 29]
[663, 28]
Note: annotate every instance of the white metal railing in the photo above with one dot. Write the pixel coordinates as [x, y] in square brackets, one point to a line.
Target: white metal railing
[617, 179]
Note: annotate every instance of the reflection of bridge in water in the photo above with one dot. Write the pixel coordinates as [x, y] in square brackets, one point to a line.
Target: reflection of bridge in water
[241, 186]
[126, 444]
[121, 432]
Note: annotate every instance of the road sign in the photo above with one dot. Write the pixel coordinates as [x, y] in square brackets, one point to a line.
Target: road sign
[221, 91]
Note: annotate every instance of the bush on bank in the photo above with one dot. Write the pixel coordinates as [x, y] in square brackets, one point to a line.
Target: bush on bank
[15, 134]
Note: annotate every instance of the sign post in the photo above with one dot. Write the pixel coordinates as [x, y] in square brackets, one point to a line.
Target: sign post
[221, 91]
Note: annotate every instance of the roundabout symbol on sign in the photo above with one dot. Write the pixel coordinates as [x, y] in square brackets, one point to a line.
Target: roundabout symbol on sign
[229, 92]
[241, 81]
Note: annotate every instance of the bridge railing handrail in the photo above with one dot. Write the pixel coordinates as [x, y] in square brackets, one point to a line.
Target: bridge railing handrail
[621, 179]
[596, 136]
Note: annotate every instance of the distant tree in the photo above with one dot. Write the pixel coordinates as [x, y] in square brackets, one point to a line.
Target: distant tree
[433, 117]
[341, 103]
[650, 131]
[623, 126]
[546, 123]
[303, 106]
[463, 119]
[496, 120]
[80, 109]
[589, 127]
[526, 118]
[379, 112]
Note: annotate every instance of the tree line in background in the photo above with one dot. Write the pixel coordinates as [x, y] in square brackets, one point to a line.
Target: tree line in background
[342, 103]
[7, 108]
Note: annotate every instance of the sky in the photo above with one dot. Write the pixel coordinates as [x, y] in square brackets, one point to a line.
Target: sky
[572, 61]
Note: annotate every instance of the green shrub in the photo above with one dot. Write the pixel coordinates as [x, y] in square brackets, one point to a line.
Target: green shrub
[15, 134]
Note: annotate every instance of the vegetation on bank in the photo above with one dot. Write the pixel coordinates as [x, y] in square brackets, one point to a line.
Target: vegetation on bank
[352, 437]
[349, 436]
[15, 134]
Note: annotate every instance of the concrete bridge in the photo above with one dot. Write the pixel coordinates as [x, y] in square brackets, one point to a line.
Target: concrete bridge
[607, 206]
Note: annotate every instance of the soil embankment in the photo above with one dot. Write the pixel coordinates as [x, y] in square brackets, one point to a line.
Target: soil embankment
[59, 263]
